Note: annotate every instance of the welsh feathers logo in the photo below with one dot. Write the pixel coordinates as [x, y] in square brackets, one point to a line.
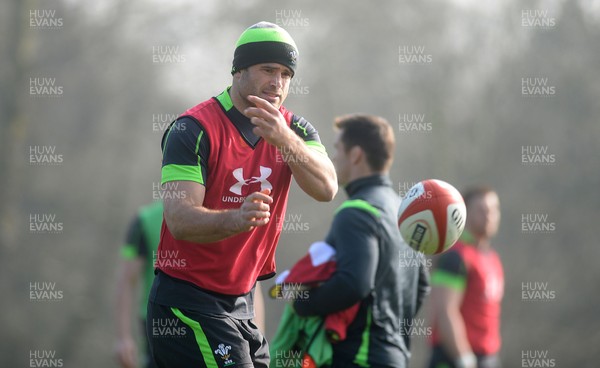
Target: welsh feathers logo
[293, 56]
[238, 174]
[223, 351]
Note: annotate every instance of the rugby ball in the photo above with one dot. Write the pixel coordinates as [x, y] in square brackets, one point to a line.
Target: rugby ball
[432, 216]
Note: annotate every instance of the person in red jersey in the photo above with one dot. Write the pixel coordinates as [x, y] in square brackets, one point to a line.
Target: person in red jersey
[468, 285]
[226, 172]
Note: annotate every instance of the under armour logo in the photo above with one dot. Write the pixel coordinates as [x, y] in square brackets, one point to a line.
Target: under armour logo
[238, 174]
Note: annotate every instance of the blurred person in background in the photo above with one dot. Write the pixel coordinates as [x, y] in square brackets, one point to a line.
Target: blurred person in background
[227, 168]
[137, 264]
[369, 251]
[468, 285]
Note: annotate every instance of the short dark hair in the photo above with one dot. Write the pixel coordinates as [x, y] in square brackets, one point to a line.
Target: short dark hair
[371, 133]
[474, 192]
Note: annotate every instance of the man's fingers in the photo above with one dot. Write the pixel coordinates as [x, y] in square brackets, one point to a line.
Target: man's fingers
[259, 122]
[256, 206]
[259, 132]
[256, 210]
[263, 207]
[262, 103]
[259, 222]
[250, 215]
[250, 220]
[256, 112]
[260, 197]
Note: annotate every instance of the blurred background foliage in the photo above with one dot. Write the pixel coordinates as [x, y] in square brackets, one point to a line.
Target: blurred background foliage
[103, 125]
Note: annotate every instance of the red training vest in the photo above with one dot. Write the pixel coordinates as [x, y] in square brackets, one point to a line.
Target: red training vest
[235, 170]
[481, 300]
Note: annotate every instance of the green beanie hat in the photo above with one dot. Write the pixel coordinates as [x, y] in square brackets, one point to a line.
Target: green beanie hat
[265, 42]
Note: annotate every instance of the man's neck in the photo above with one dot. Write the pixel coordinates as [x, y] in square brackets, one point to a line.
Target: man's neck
[482, 243]
[362, 172]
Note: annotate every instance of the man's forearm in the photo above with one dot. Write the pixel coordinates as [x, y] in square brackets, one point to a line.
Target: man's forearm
[312, 170]
[453, 334]
[334, 295]
[202, 225]
[124, 311]
[127, 289]
[187, 219]
[352, 282]
[357, 256]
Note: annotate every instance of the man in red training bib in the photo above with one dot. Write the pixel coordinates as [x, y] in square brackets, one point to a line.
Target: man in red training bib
[468, 284]
[227, 168]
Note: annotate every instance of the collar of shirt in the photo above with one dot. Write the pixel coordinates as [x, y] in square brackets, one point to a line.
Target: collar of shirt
[367, 181]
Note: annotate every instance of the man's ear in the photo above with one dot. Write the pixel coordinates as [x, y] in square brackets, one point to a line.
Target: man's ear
[356, 154]
[238, 74]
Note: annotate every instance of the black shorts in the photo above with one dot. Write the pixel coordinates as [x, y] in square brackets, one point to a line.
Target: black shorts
[439, 359]
[182, 338]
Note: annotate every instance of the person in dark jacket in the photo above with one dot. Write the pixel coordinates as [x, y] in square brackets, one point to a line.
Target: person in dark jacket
[369, 252]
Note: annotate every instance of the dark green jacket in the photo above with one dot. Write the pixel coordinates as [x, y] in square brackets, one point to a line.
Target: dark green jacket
[370, 270]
